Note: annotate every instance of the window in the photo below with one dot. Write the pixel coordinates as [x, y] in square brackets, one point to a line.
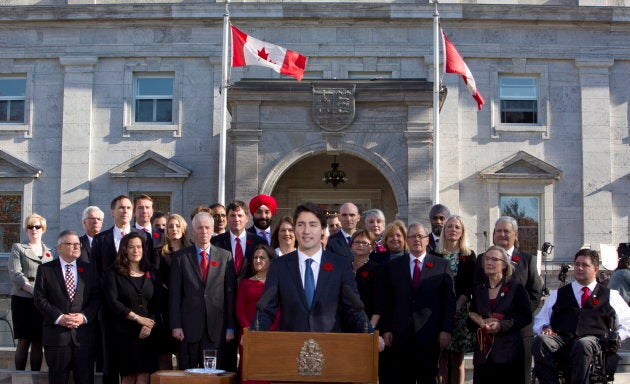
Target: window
[526, 211]
[519, 100]
[12, 99]
[10, 220]
[154, 99]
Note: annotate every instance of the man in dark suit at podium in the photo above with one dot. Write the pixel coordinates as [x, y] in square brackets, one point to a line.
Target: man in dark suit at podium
[314, 288]
[67, 293]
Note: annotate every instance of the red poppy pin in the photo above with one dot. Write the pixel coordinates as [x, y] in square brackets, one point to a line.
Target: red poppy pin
[48, 254]
[156, 235]
[516, 259]
[428, 264]
[364, 274]
[463, 258]
[214, 263]
[505, 289]
[249, 242]
[328, 267]
[595, 301]
[147, 275]
[80, 269]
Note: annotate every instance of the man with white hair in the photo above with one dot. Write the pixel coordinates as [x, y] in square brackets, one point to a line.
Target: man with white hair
[92, 220]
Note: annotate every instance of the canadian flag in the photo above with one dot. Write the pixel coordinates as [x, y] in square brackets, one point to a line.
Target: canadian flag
[247, 50]
[455, 64]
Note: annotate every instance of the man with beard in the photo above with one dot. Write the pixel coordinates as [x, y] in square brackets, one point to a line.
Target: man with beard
[262, 208]
[438, 215]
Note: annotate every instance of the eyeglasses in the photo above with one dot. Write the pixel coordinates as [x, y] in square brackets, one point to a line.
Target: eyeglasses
[361, 243]
[493, 259]
[94, 218]
[418, 236]
[219, 215]
[34, 227]
[73, 245]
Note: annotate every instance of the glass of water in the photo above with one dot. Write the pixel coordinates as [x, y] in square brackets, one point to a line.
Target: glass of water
[210, 359]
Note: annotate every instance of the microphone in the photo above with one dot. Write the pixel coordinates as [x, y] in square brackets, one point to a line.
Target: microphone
[263, 302]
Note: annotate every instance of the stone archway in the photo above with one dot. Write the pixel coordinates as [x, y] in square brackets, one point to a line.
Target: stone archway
[301, 181]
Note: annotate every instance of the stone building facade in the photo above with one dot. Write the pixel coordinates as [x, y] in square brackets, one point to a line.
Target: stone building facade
[79, 142]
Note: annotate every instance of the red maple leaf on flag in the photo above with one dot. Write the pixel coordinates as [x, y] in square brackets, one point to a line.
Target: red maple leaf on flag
[263, 54]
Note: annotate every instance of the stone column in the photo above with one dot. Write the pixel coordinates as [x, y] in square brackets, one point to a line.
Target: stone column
[244, 165]
[594, 76]
[76, 130]
[419, 160]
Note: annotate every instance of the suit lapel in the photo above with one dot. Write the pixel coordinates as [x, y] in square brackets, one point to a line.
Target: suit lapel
[213, 272]
[61, 280]
[323, 277]
[78, 295]
[296, 277]
[30, 253]
[192, 260]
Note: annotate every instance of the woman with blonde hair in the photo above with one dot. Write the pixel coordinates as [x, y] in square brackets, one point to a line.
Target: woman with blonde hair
[395, 242]
[461, 260]
[23, 264]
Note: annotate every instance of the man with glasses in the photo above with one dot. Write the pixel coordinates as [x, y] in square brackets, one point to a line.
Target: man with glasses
[92, 219]
[419, 310]
[574, 318]
[67, 293]
[220, 218]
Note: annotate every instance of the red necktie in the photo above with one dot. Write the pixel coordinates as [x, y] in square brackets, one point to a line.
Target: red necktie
[586, 293]
[416, 274]
[238, 256]
[204, 265]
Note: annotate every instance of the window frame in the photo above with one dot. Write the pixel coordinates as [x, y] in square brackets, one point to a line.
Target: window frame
[25, 126]
[133, 70]
[539, 237]
[153, 98]
[20, 220]
[520, 68]
[14, 98]
[505, 98]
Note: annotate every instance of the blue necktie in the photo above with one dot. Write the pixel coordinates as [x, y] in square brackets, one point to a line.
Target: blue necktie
[309, 282]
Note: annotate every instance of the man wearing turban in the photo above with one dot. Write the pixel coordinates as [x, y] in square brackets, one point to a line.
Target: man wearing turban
[262, 208]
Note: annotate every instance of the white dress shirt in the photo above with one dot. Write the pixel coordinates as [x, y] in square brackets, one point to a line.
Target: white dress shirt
[412, 263]
[118, 235]
[543, 318]
[317, 260]
[243, 238]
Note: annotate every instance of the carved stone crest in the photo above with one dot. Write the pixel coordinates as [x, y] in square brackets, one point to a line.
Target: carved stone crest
[310, 361]
[333, 107]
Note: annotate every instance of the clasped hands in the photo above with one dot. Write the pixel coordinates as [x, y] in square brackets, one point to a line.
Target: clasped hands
[492, 325]
[147, 326]
[72, 320]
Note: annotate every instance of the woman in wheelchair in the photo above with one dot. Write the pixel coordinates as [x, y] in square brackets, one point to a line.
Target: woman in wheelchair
[577, 327]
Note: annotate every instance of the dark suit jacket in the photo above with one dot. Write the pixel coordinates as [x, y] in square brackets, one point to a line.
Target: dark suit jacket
[86, 248]
[51, 299]
[338, 244]
[253, 231]
[514, 312]
[432, 248]
[195, 306]
[336, 295]
[525, 272]
[223, 241]
[416, 318]
[104, 249]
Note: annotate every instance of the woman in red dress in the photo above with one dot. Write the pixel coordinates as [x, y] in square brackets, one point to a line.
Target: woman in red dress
[249, 292]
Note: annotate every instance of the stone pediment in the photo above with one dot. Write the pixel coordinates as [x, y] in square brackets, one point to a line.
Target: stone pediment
[150, 165]
[521, 165]
[11, 167]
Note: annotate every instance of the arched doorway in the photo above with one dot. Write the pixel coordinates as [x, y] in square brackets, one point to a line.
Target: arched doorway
[366, 186]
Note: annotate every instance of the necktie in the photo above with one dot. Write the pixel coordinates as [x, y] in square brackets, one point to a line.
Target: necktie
[70, 287]
[265, 236]
[586, 293]
[309, 282]
[348, 239]
[416, 274]
[204, 266]
[238, 256]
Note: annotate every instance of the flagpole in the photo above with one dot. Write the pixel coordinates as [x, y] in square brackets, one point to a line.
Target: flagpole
[435, 191]
[224, 91]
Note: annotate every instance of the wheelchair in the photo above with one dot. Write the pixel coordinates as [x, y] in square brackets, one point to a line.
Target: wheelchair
[603, 366]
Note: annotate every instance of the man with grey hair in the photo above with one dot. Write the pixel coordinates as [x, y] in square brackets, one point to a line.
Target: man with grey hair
[419, 310]
[437, 215]
[92, 220]
[505, 235]
[202, 294]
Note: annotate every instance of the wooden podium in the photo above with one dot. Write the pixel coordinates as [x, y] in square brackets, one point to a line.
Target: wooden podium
[306, 357]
